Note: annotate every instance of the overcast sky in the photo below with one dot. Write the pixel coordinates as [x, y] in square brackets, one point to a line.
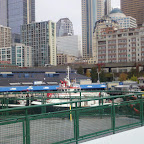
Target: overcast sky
[56, 9]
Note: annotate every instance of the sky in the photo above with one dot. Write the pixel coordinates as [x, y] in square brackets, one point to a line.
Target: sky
[57, 9]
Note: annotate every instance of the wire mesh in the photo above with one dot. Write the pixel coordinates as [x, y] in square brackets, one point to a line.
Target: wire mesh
[15, 114]
[11, 133]
[94, 120]
[127, 113]
[53, 129]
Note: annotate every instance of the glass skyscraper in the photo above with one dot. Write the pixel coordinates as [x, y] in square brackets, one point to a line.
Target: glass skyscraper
[14, 13]
[92, 10]
[3, 12]
[64, 27]
[20, 12]
[107, 7]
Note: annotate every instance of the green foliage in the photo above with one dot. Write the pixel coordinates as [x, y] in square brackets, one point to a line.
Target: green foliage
[134, 78]
[80, 70]
[94, 74]
[109, 77]
[103, 76]
[88, 74]
[133, 72]
[123, 77]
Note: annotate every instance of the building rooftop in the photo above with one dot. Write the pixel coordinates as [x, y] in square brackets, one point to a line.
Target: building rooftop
[116, 10]
[47, 76]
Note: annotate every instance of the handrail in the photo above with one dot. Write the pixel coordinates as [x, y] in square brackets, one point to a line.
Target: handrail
[32, 92]
[70, 102]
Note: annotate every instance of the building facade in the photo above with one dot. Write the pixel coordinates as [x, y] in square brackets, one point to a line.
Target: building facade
[101, 24]
[3, 12]
[20, 12]
[65, 59]
[92, 10]
[123, 20]
[5, 55]
[134, 8]
[123, 45]
[21, 55]
[107, 7]
[70, 45]
[64, 27]
[5, 36]
[41, 36]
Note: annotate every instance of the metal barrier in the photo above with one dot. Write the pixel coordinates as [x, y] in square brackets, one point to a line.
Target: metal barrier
[40, 124]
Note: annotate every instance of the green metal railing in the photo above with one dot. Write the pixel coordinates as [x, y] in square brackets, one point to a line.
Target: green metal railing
[52, 123]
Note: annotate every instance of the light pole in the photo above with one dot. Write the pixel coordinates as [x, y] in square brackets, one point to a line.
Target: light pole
[113, 76]
[98, 77]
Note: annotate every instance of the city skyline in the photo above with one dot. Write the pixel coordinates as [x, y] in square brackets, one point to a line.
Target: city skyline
[46, 11]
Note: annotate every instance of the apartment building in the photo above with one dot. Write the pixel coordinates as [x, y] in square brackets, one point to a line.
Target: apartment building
[5, 36]
[21, 55]
[5, 44]
[41, 36]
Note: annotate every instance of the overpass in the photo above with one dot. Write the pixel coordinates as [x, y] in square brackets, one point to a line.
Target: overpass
[108, 66]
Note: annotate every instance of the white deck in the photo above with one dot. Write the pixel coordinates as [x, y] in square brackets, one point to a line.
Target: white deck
[134, 136]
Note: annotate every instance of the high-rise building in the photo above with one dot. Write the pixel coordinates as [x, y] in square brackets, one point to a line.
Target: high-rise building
[3, 12]
[123, 20]
[70, 45]
[64, 27]
[14, 13]
[5, 44]
[41, 36]
[107, 7]
[5, 36]
[134, 8]
[92, 10]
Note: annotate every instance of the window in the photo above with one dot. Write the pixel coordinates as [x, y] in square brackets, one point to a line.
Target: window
[26, 75]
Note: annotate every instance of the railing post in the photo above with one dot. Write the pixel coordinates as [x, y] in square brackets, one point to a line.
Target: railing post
[27, 125]
[77, 123]
[113, 116]
[80, 99]
[141, 110]
[43, 109]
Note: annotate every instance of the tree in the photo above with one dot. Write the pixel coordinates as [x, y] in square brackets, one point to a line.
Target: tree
[103, 76]
[80, 70]
[134, 78]
[123, 77]
[88, 74]
[109, 77]
[94, 74]
[133, 72]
